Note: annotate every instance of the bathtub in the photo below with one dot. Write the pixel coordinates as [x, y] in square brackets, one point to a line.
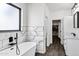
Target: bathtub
[26, 49]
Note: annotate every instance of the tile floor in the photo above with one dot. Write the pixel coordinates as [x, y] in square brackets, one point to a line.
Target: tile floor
[55, 49]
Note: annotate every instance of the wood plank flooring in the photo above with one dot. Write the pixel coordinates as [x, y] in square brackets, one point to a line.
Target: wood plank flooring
[55, 49]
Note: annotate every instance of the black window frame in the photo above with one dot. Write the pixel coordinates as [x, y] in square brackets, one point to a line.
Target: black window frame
[19, 18]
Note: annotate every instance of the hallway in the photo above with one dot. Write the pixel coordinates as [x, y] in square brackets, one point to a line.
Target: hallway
[55, 49]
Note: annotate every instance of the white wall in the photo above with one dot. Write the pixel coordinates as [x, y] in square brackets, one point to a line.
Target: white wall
[59, 14]
[48, 25]
[68, 24]
[36, 14]
[67, 28]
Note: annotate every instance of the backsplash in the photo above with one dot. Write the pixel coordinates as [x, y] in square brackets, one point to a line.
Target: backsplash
[35, 33]
[4, 37]
[28, 33]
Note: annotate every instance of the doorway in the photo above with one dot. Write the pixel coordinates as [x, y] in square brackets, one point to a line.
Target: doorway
[56, 48]
[56, 29]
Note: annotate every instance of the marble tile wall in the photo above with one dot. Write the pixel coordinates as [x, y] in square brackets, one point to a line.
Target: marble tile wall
[28, 33]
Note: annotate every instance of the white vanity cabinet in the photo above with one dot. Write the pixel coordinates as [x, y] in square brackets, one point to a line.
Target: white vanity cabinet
[71, 47]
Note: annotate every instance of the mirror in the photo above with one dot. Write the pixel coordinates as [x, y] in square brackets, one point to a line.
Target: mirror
[76, 20]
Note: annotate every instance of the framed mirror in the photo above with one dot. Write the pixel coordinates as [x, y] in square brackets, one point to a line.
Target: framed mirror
[76, 20]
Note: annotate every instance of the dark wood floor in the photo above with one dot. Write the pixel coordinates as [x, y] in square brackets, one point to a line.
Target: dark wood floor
[55, 49]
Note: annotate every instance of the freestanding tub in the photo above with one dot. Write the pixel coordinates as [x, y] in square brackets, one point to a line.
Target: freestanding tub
[26, 49]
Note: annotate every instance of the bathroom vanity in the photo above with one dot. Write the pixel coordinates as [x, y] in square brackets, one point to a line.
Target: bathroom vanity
[71, 46]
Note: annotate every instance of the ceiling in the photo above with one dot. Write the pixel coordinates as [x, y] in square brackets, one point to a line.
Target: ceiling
[59, 6]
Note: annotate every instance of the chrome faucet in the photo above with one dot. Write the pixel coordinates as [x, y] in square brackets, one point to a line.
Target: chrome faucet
[73, 34]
